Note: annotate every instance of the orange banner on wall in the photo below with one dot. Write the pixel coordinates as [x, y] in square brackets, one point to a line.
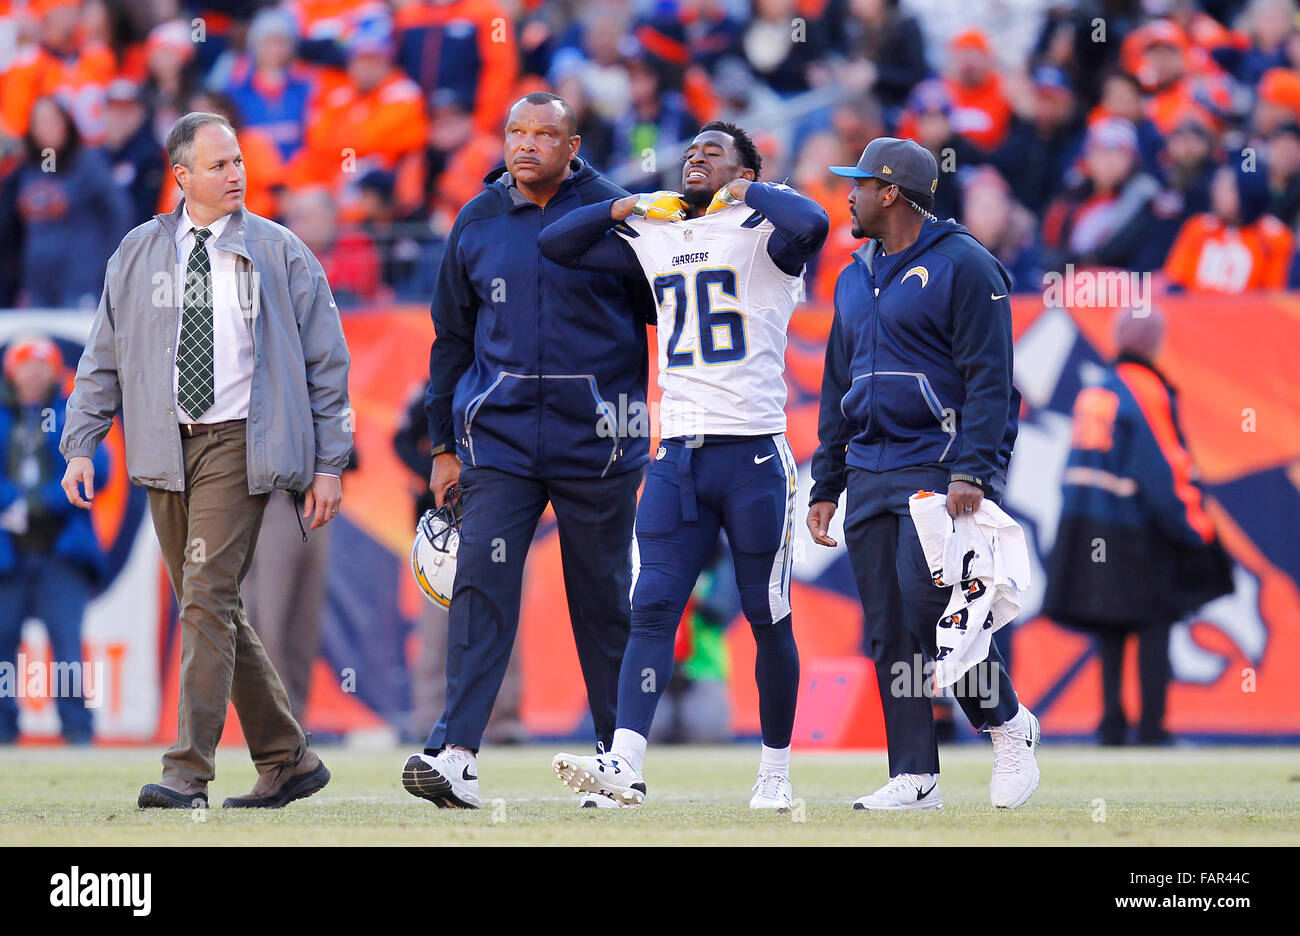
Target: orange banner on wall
[1237, 365]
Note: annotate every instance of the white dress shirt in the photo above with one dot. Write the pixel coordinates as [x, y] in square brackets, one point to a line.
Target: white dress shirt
[232, 340]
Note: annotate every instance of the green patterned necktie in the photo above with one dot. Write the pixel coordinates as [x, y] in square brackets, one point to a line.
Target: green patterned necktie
[194, 387]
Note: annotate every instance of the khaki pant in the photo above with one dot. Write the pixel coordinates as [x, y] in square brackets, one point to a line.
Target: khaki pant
[284, 595]
[208, 535]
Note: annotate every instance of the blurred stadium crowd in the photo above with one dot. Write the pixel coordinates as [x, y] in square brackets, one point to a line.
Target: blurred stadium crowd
[1151, 135]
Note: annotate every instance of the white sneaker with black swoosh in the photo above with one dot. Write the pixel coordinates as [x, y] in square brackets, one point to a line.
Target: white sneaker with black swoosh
[906, 791]
[607, 774]
[1015, 764]
[449, 779]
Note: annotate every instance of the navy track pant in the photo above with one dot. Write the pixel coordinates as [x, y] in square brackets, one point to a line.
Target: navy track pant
[501, 511]
[901, 607]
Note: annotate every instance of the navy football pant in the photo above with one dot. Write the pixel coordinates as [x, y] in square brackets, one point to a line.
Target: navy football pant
[745, 486]
[501, 511]
[901, 608]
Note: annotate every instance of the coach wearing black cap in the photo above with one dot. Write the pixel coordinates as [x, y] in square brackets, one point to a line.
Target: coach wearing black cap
[917, 395]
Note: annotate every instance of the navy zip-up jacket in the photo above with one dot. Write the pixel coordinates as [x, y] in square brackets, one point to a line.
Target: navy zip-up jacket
[528, 355]
[919, 364]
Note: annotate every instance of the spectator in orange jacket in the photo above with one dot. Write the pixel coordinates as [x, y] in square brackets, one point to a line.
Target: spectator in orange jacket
[1235, 246]
[465, 46]
[809, 176]
[981, 111]
[456, 159]
[56, 66]
[1205, 34]
[1277, 101]
[376, 117]
[1177, 76]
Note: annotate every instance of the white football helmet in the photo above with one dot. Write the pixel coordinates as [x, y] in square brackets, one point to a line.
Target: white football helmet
[433, 554]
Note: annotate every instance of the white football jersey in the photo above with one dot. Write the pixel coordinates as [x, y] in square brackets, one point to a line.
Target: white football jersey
[724, 307]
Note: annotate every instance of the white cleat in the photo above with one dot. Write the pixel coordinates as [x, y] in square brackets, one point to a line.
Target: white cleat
[1015, 764]
[772, 791]
[606, 774]
[906, 791]
[449, 780]
[596, 801]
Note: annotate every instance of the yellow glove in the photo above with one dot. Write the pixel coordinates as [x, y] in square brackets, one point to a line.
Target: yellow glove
[660, 206]
[723, 199]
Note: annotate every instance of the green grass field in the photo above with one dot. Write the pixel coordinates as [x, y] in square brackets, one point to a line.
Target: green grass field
[1185, 796]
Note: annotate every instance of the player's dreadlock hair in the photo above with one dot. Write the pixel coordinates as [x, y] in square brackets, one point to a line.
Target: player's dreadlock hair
[749, 156]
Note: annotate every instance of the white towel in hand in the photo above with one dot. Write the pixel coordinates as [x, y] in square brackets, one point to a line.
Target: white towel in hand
[983, 558]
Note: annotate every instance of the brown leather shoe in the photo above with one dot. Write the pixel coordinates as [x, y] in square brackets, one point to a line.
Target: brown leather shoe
[281, 785]
[173, 793]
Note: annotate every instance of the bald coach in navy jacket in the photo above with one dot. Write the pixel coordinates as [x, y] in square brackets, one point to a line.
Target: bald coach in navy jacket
[531, 365]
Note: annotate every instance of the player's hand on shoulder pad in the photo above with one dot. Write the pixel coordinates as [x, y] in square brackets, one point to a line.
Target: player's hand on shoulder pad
[724, 198]
[660, 206]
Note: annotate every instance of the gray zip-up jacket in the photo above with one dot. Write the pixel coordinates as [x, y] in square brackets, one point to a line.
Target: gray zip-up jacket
[299, 419]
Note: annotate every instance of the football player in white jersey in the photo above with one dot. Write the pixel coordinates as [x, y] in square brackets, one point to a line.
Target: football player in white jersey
[725, 259]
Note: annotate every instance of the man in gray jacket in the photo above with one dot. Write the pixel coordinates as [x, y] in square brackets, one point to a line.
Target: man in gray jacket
[219, 341]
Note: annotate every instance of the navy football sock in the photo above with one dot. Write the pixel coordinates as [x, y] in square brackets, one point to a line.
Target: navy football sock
[776, 670]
